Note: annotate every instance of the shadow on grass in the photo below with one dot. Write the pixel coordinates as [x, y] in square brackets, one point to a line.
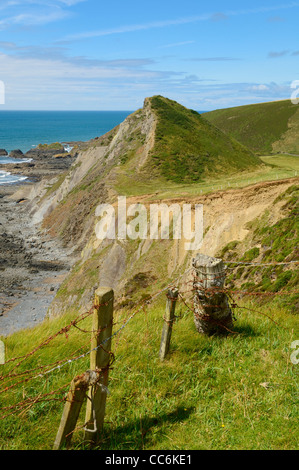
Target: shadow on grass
[246, 330]
[141, 433]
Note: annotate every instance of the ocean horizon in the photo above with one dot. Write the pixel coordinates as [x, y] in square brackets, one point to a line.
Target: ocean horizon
[24, 130]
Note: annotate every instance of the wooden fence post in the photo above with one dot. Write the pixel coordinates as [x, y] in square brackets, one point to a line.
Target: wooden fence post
[172, 296]
[212, 313]
[74, 401]
[99, 360]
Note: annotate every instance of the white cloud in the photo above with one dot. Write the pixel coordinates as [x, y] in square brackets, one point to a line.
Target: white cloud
[35, 12]
[35, 79]
[30, 19]
[176, 44]
[260, 88]
[276, 54]
[71, 83]
[176, 21]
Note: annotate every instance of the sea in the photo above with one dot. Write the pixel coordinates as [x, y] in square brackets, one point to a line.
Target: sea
[24, 130]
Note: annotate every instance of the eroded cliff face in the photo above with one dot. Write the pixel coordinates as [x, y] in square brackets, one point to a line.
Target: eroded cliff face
[65, 205]
[66, 209]
[138, 268]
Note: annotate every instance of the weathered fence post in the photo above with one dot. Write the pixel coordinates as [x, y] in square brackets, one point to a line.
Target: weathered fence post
[99, 360]
[212, 313]
[74, 401]
[172, 296]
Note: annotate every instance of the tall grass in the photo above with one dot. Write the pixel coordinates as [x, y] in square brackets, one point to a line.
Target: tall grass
[231, 392]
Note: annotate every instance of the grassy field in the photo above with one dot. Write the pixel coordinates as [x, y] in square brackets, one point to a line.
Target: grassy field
[275, 168]
[283, 162]
[232, 392]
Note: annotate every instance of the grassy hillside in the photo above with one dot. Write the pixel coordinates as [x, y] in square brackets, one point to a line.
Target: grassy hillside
[188, 148]
[264, 128]
[234, 392]
[160, 145]
[277, 167]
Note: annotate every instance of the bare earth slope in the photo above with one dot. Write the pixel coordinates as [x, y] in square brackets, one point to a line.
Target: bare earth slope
[122, 263]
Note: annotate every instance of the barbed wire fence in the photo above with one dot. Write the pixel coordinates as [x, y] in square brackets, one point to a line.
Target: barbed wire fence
[15, 375]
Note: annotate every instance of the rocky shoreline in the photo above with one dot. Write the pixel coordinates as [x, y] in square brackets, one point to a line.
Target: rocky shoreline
[40, 162]
[32, 265]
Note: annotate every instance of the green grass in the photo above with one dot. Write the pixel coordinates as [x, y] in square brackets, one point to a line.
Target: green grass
[187, 147]
[53, 146]
[283, 163]
[259, 126]
[233, 392]
[274, 168]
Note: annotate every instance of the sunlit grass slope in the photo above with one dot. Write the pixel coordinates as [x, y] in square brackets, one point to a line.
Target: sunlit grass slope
[231, 392]
[187, 147]
[264, 128]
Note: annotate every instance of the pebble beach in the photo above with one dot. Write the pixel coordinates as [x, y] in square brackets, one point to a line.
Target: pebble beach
[32, 265]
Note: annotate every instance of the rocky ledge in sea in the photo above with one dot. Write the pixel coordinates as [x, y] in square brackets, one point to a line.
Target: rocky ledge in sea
[41, 161]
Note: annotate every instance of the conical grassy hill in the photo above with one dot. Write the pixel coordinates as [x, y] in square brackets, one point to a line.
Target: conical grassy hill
[188, 148]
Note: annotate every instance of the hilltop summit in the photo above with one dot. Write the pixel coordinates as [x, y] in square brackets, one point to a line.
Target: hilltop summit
[188, 147]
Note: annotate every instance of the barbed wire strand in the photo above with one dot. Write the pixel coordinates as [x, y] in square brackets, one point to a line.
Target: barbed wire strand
[58, 365]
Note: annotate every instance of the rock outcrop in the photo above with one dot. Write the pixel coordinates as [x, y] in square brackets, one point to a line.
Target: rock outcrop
[16, 154]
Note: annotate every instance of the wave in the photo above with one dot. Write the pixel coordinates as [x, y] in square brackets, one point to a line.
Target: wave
[4, 174]
[8, 160]
[7, 178]
[26, 160]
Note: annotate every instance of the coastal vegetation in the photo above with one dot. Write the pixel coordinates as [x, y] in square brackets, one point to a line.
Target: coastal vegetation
[269, 242]
[187, 147]
[233, 393]
[236, 391]
[264, 128]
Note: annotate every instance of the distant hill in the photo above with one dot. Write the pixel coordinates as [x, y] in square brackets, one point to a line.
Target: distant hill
[265, 128]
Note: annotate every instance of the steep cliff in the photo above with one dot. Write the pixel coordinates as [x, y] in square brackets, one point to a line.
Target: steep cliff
[162, 144]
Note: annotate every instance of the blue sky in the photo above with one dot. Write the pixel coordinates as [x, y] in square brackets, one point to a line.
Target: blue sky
[95, 55]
